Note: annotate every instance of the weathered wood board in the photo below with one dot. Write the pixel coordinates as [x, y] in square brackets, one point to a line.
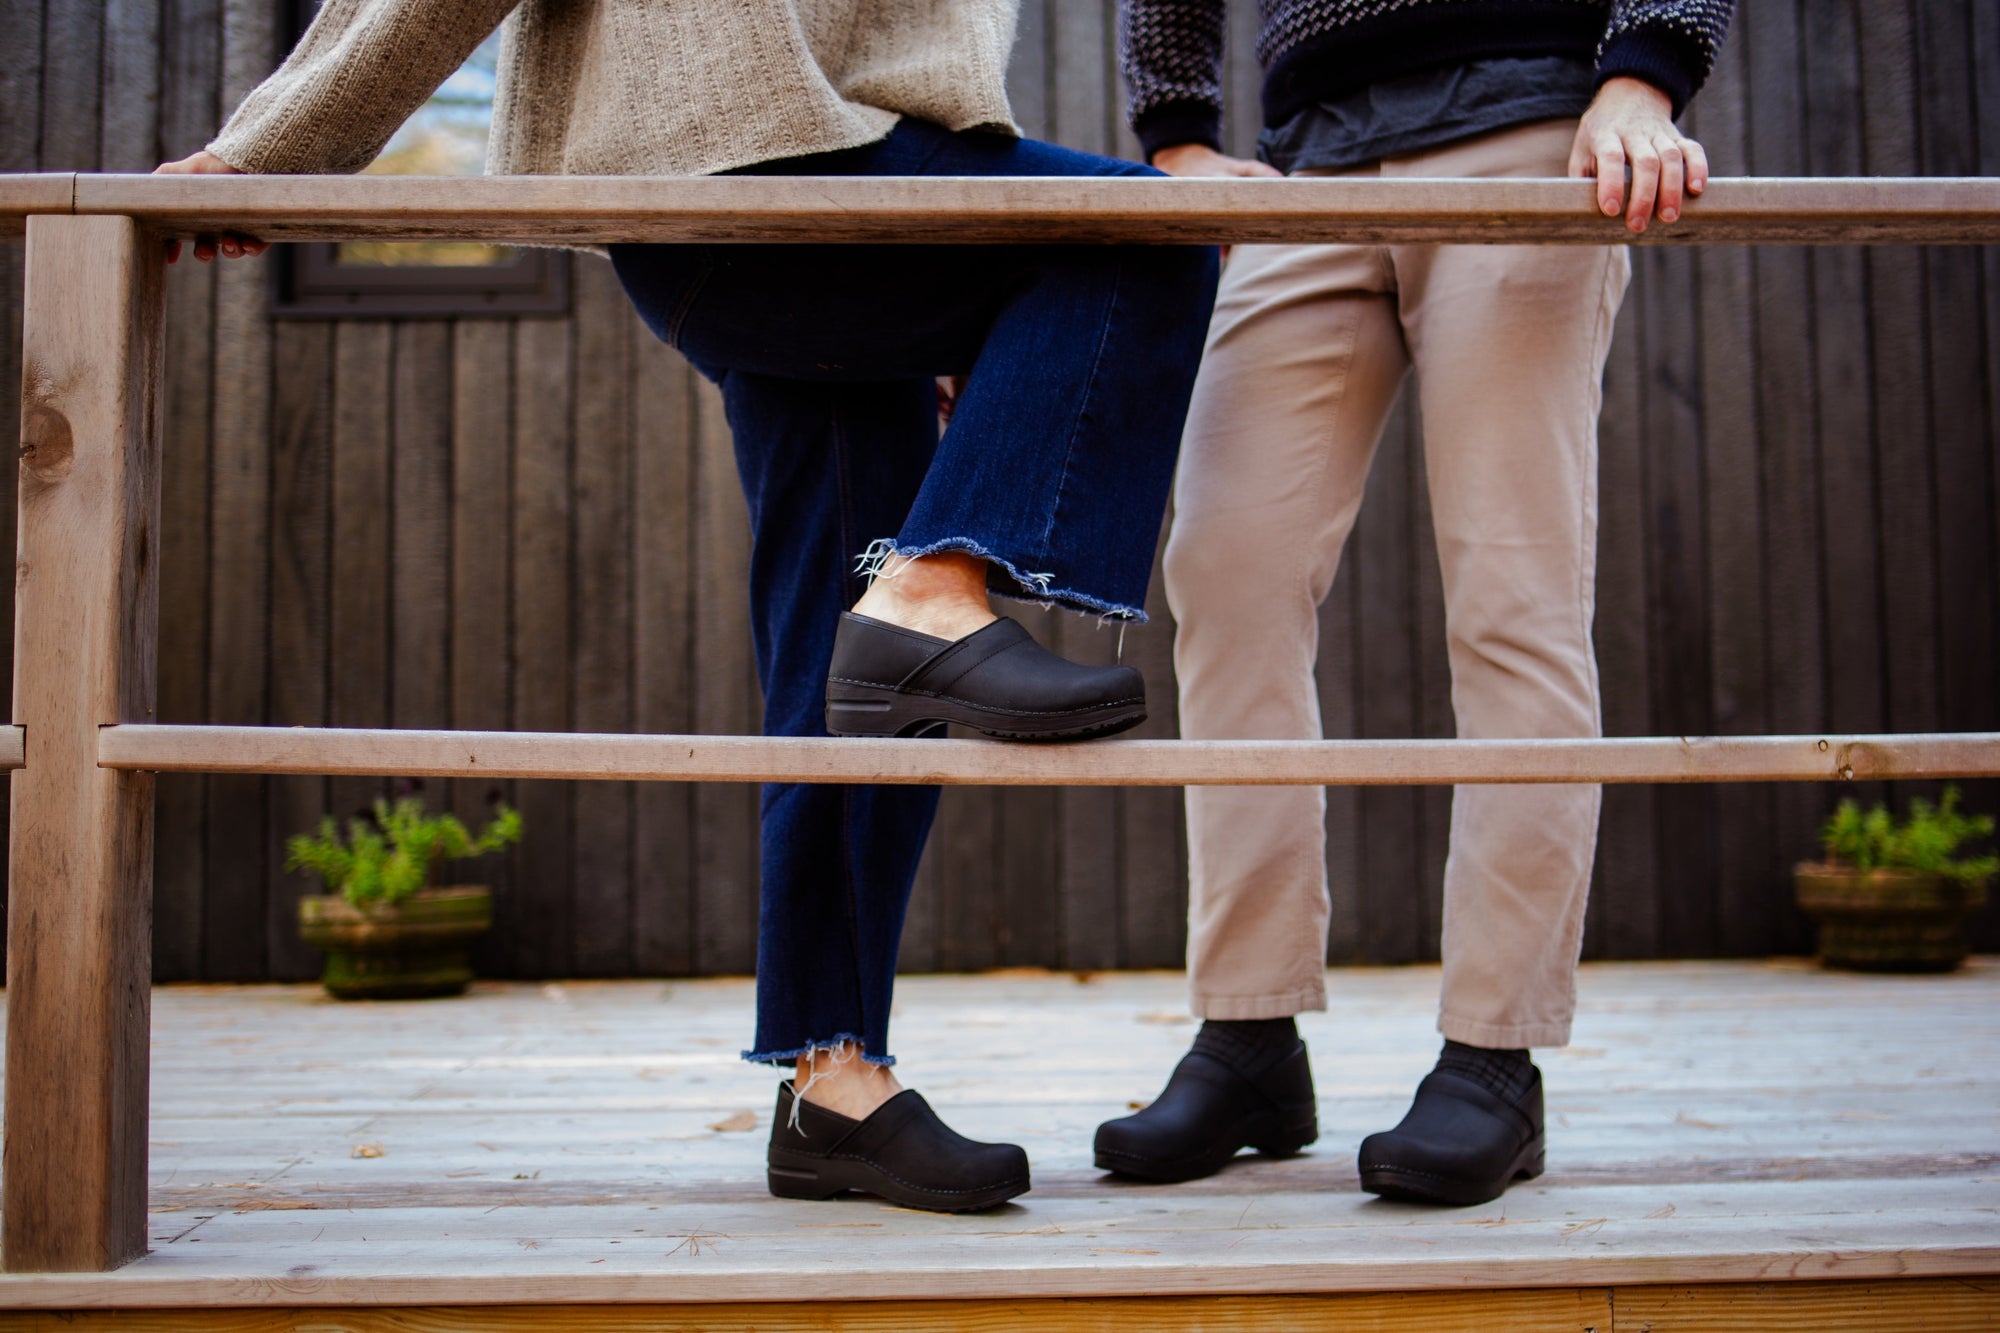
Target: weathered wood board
[737, 758]
[80, 854]
[1768, 1123]
[985, 210]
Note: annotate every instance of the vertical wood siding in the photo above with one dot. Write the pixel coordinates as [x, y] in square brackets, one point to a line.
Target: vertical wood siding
[535, 523]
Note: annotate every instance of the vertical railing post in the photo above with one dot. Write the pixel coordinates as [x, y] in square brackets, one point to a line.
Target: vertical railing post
[79, 921]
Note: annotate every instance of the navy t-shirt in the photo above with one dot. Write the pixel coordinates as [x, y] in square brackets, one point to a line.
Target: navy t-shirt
[1427, 109]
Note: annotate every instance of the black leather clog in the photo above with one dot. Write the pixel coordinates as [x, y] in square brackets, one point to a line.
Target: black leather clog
[1459, 1144]
[902, 1152]
[890, 681]
[1206, 1114]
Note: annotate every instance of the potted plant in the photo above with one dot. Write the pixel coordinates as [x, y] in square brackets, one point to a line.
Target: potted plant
[1893, 896]
[388, 932]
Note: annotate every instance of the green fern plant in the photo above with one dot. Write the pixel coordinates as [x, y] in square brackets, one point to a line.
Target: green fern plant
[1928, 839]
[386, 858]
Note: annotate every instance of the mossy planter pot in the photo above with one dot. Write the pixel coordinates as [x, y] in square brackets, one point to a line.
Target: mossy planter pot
[412, 951]
[1888, 920]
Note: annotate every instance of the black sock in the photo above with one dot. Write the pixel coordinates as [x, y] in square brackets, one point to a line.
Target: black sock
[1508, 1075]
[1249, 1046]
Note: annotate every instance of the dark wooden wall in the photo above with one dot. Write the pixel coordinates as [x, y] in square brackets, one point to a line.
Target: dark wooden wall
[534, 523]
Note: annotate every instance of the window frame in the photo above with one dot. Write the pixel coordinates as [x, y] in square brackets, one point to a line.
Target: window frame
[312, 283]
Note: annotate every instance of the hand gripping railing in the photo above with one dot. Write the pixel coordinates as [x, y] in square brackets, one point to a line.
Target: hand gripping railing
[87, 582]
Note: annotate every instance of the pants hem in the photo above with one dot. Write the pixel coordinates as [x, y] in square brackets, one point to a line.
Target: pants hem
[1503, 1036]
[1239, 1008]
[831, 1043]
[1028, 586]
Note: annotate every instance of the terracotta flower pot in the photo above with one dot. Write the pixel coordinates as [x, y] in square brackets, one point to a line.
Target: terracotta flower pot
[413, 950]
[1888, 920]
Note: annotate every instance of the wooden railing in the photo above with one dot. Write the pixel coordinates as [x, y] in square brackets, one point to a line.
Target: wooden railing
[592, 210]
[84, 745]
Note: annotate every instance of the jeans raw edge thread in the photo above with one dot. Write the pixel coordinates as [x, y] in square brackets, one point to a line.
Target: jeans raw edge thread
[1033, 587]
[831, 1043]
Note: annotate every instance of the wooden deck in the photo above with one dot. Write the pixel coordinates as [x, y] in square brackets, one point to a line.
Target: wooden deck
[1759, 1142]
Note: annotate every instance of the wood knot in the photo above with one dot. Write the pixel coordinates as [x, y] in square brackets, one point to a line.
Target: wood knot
[48, 446]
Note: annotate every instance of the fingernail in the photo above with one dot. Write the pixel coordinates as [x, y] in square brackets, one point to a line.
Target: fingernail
[1668, 215]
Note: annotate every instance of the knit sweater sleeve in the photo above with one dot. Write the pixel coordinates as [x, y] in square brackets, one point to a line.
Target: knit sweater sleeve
[358, 73]
[1671, 44]
[1171, 53]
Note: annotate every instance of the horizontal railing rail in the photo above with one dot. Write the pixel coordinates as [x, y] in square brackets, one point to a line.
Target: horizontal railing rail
[546, 754]
[603, 209]
[86, 580]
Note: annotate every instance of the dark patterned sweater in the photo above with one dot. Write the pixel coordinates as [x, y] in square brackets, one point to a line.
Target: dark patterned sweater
[1317, 50]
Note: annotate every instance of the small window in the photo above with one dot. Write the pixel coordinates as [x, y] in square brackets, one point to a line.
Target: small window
[446, 137]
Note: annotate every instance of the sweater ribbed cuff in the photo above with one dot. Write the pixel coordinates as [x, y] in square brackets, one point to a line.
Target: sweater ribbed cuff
[1172, 123]
[1674, 67]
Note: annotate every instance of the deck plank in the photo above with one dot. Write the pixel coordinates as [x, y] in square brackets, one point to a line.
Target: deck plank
[543, 1144]
[1938, 1306]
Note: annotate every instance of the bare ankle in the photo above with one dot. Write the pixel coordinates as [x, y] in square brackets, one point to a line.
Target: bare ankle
[942, 594]
[840, 1080]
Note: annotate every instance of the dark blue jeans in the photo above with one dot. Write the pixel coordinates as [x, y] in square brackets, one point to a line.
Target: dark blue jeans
[1055, 469]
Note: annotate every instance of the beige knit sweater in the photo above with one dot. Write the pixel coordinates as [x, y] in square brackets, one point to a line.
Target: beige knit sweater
[631, 87]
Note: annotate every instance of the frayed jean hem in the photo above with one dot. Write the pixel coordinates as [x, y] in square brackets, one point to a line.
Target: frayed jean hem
[831, 1043]
[1029, 586]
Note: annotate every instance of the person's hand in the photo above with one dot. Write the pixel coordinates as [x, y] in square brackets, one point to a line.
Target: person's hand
[1198, 159]
[1630, 123]
[950, 388]
[230, 244]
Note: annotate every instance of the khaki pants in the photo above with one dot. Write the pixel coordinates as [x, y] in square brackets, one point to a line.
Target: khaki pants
[1308, 349]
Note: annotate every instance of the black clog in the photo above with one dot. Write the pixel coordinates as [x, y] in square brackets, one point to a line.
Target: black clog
[902, 1152]
[890, 681]
[1207, 1113]
[1459, 1144]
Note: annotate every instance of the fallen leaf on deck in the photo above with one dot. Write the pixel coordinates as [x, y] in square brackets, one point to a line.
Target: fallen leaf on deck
[1165, 1017]
[1137, 1106]
[1685, 1119]
[1584, 1228]
[1667, 1211]
[737, 1122]
[367, 1150]
[271, 1205]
